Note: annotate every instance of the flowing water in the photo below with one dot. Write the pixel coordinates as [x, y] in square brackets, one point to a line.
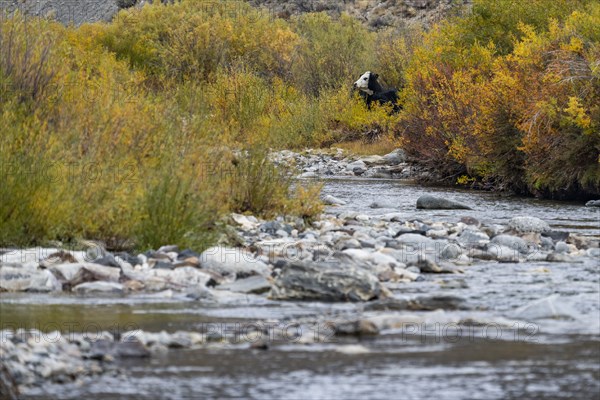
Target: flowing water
[430, 355]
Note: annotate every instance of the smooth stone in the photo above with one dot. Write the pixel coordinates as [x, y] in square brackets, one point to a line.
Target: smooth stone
[502, 254]
[470, 221]
[373, 160]
[103, 273]
[546, 243]
[15, 279]
[358, 327]
[471, 237]
[308, 174]
[333, 201]
[437, 233]
[255, 284]
[350, 244]
[562, 247]
[593, 252]
[426, 265]
[179, 278]
[451, 252]
[356, 165]
[170, 248]
[414, 240]
[395, 157]
[381, 204]
[528, 224]
[229, 260]
[108, 260]
[510, 241]
[428, 202]
[99, 287]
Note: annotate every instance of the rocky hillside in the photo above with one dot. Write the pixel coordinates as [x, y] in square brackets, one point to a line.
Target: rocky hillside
[376, 14]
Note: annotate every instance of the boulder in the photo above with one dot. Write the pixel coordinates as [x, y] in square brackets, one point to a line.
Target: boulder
[321, 281]
[428, 202]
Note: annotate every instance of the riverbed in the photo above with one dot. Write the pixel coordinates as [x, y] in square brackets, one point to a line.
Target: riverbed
[504, 353]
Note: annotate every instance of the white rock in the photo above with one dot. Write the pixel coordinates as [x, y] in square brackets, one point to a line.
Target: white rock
[228, 260]
[528, 224]
[333, 201]
[99, 287]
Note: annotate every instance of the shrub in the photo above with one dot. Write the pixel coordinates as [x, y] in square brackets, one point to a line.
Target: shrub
[331, 52]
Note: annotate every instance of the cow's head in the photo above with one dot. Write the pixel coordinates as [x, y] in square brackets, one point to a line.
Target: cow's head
[367, 82]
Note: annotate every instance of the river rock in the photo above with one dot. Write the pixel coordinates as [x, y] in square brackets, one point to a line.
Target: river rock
[19, 279]
[233, 261]
[333, 201]
[381, 204]
[428, 202]
[325, 282]
[522, 225]
[357, 327]
[254, 284]
[99, 287]
[8, 387]
[395, 157]
[179, 278]
[512, 242]
[501, 253]
[473, 237]
[438, 302]
[414, 240]
[593, 203]
[357, 167]
[421, 303]
[373, 160]
[562, 247]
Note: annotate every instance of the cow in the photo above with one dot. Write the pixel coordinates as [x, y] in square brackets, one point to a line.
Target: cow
[371, 91]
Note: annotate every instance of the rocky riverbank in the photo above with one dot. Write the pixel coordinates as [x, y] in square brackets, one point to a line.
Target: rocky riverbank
[373, 260]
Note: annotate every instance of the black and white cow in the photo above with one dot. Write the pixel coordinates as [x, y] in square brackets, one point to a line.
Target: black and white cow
[370, 90]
